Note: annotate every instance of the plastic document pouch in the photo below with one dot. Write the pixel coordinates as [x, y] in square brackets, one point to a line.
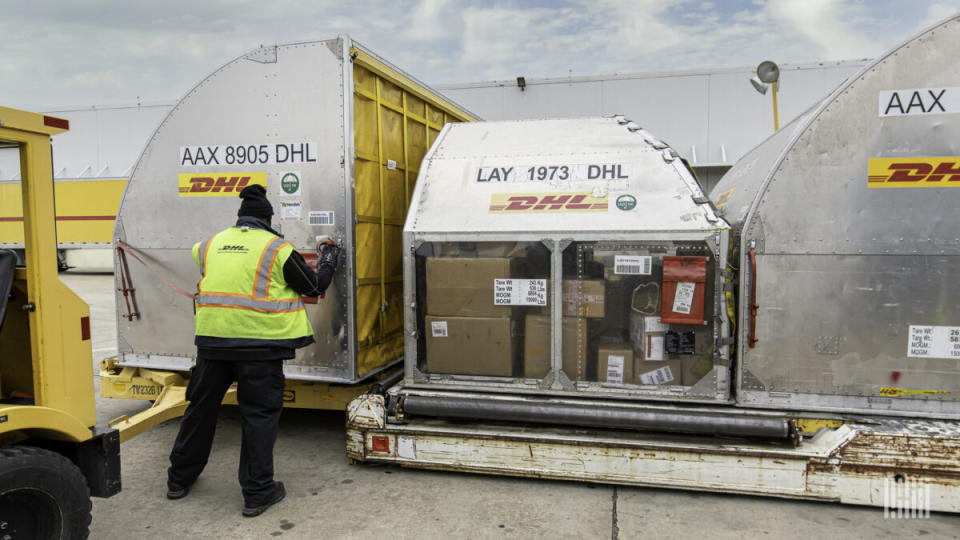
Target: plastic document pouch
[684, 280]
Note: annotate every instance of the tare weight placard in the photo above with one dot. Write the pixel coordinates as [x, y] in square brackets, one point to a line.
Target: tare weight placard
[934, 342]
[520, 292]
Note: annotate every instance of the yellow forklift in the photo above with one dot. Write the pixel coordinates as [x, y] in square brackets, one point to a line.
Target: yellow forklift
[53, 457]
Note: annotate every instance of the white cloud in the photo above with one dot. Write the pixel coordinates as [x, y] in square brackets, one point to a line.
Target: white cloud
[829, 25]
[939, 11]
[68, 53]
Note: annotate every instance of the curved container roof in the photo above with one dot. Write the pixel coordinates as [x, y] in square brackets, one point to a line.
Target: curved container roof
[633, 181]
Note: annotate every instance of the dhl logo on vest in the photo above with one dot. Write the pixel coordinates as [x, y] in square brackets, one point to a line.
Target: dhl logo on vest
[218, 184]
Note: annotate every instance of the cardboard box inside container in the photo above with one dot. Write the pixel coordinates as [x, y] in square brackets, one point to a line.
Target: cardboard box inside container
[536, 349]
[695, 368]
[461, 287]
[657, 372]
[471, 345]
[583, 298]
[615, 363]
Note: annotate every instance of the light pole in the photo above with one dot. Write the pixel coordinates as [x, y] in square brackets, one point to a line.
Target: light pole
[768, 73]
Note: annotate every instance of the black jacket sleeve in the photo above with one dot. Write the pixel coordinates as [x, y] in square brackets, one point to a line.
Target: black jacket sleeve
[303, 279]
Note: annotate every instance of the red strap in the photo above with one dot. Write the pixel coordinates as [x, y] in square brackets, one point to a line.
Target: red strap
[129, 251]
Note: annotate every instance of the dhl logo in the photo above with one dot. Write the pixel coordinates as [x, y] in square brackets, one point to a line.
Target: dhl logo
[896, 392]
[913, 172]
[219, 184]
[501, 203]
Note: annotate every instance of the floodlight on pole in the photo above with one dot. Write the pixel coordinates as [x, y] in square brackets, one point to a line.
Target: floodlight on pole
[768, 73]
[758, 85]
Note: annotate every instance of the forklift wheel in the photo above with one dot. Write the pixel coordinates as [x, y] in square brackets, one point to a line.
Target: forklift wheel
[43, 495]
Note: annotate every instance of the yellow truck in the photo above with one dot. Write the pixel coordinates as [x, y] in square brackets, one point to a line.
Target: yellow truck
[52, 455]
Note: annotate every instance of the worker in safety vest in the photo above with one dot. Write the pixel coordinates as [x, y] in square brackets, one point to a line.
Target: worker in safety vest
[249, 318]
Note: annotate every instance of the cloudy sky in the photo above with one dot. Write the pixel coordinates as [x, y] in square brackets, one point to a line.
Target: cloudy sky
[86, 52]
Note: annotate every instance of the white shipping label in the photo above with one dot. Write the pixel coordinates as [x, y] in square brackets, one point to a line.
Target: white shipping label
[438, 328]
[632, 265]
[683, 299]
[553, 173]
[213, 155]
[653, 350]
[657, 376]
[615, 368]
[290, 209]
[653, 324]
[919, 101]
[519, 292]
[407, 446]
[934, 342]
[320, 218]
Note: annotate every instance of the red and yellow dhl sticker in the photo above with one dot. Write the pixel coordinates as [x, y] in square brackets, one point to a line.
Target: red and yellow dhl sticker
[508, 203]
[218, 184]
[896, 392]
[913, 172]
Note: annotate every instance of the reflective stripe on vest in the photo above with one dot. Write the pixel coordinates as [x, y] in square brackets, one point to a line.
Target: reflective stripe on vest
[261, 283]
[244, 302]
[202, 252]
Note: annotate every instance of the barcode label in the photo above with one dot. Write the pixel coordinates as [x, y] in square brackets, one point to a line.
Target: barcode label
[615, 368]
[684, 297]
[632, 265]
[654, 348]
[438, 328]
[321, 218]
[657, 376]
[654, 324]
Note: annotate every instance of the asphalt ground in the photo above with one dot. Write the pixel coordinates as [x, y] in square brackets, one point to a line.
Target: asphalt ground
[328, 498]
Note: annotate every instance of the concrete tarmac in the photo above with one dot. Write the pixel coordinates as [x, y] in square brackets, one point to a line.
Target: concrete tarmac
[329, 498]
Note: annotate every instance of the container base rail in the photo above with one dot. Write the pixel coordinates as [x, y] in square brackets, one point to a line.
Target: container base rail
[167, 389]
[899, 464]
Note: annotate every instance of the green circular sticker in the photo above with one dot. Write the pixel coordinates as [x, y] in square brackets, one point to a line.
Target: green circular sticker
[626, 202]
[290, 183]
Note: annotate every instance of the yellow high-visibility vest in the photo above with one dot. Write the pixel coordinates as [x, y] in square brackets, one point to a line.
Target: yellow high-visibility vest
[242, 293]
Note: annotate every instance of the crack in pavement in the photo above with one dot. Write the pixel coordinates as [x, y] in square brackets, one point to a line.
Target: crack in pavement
[615, 528]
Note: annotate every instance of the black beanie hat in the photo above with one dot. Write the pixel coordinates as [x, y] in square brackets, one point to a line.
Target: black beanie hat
[255, 202]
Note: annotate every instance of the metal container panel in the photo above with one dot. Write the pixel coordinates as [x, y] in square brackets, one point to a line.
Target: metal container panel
[845, 269]
[300, 94]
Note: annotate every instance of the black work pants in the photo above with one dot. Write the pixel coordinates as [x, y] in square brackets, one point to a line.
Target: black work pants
[260, 396]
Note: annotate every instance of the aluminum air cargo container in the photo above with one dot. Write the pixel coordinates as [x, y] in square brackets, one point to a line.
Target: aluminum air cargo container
[851, 244]
[565, 257]
[337, 135]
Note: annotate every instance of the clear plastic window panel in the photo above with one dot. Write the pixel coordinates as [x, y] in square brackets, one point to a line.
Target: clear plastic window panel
[641, 315]
[483, 309]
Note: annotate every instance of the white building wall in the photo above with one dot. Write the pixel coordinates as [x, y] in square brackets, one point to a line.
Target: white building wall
[103, 141]
[712, 117]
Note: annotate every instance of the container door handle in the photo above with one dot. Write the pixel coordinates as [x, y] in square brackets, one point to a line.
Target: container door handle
[752, 338]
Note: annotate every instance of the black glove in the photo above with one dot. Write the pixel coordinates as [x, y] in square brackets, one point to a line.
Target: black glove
[329, 255]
